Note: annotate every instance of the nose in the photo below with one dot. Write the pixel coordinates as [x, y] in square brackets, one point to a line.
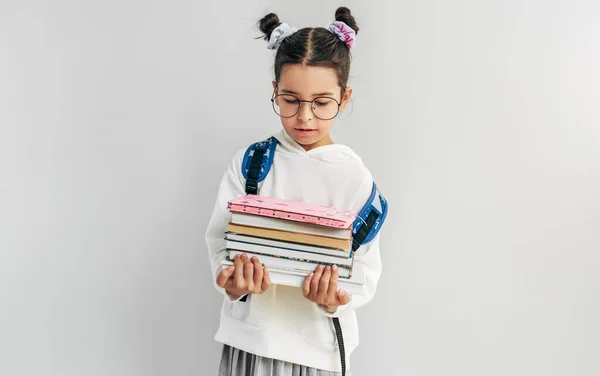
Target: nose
[305, 112]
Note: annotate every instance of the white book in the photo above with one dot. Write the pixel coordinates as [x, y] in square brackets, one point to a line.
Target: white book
[285, 263]
[333, 253]
[354, 285]
[288, 253]
[291, 226]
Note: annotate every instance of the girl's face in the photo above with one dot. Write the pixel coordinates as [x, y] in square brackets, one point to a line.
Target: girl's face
[308, 83]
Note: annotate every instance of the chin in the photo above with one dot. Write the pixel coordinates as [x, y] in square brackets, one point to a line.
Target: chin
[307, 140]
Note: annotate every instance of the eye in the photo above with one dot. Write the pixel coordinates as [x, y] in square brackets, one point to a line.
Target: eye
[323, 102]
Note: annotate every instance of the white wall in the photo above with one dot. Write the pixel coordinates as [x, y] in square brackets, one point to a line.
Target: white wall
[480, 121]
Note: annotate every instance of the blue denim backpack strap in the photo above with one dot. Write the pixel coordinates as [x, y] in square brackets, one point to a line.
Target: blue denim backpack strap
[370, 219]
[257, 163]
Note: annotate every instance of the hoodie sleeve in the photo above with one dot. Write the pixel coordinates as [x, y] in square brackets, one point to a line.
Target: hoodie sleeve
[231, 187]
[369, 256]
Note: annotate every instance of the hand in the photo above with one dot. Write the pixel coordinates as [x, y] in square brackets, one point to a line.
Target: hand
[244, 277]
[320, 287]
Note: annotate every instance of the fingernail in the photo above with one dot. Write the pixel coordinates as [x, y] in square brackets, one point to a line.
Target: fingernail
[334, 268]
[342, 292]
[231, 268]
[328, 268]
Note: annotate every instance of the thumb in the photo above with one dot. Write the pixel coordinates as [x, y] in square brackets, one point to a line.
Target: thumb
[343, 296]
[266, 282]
[224, 275]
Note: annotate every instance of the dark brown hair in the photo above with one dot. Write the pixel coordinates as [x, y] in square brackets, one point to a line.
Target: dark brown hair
[313, 46]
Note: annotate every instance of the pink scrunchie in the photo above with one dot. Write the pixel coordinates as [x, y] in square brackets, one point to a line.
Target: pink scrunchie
[344, 32]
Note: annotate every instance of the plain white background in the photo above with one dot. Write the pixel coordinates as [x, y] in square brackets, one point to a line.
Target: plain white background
[479, 120]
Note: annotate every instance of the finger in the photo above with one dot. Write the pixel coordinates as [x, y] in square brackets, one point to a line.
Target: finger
[224, 276]
[266, 282]
[239, 268]
[258, 272]
[324, 283]
[306, 284]
[314, 284]
[343, 296]
[249, 273]
[333, 282]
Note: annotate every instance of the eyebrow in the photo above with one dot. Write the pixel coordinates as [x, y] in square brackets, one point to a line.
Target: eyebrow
[314, 95]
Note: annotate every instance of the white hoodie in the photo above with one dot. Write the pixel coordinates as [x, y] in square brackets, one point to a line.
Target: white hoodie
[281, 323]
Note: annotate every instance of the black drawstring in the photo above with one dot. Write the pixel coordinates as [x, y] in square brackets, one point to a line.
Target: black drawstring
[340, 341]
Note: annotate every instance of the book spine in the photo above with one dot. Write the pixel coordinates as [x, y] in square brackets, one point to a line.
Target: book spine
[292, 226]
[312, 240]
[293, 246]
[321, 221]
[297, 257]
[295, 265]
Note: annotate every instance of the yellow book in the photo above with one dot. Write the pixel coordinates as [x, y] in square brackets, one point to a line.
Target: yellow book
[293, 237]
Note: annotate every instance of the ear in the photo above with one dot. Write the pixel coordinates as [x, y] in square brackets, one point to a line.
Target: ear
[346, 98]
[274, 85]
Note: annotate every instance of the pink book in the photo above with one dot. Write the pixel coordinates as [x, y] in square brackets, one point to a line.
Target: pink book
[293, 211]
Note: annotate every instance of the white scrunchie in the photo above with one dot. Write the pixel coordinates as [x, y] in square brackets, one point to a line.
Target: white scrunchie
[279, 34]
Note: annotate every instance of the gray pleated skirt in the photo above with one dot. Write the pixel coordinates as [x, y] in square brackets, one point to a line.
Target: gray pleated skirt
[235, 362]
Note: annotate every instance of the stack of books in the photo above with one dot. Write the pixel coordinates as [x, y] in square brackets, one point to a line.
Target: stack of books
[291, 238]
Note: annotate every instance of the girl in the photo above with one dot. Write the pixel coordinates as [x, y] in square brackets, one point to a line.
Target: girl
[280, 330]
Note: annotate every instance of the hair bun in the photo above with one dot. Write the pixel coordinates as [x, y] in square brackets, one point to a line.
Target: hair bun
[344, 15]
[268, 23]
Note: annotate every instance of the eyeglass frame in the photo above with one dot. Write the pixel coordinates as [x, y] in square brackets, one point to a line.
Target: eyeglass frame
[300, 101]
